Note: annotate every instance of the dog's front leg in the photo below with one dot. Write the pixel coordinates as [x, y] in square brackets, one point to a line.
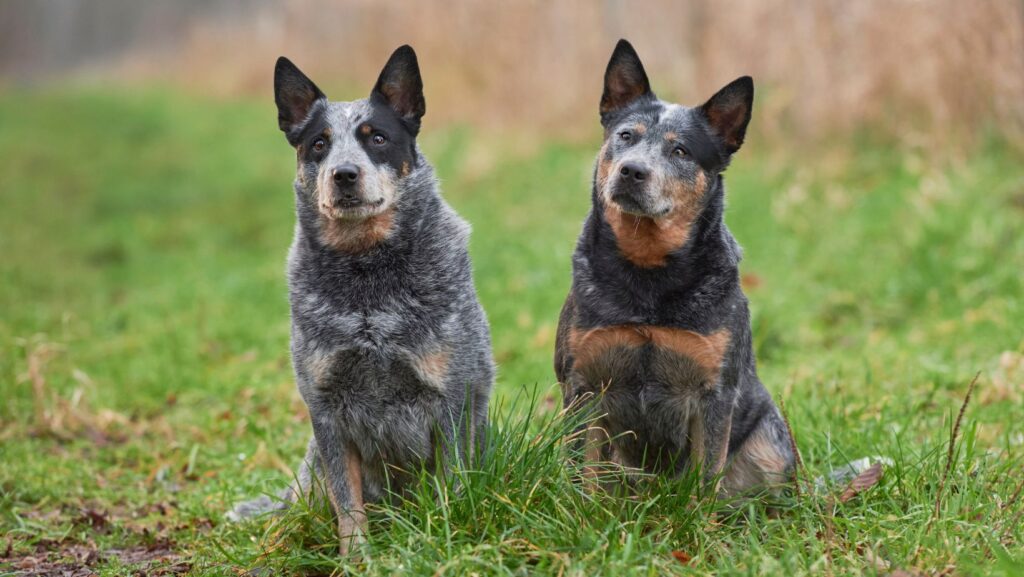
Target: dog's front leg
[709, 438]
[589, 439]
[343, 472]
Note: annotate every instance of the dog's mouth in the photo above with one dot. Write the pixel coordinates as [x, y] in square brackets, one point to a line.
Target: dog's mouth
[348, 209]
[628, 203]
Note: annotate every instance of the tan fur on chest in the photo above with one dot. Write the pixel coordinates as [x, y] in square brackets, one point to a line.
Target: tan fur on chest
[707, 351]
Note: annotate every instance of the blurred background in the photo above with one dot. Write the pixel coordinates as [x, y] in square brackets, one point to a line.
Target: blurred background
[146, 209]
[924, 72]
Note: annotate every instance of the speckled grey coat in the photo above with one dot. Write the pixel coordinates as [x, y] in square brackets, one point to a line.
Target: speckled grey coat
[390, 346]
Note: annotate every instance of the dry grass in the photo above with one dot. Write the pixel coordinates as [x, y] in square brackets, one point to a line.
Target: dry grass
[927, 74]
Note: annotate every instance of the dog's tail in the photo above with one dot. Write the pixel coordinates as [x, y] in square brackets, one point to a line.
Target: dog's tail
[845, 474]
[259, 506]
[285, 498]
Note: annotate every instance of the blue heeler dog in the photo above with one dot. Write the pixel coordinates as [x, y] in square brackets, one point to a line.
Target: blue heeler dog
[390, 346]
[656, 329]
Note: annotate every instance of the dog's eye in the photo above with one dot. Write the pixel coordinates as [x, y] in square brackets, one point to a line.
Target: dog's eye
[625, 135]
[379, 139]
[319, 144]
[679, 151]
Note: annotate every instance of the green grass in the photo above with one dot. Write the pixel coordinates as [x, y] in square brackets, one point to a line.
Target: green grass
[146, 382]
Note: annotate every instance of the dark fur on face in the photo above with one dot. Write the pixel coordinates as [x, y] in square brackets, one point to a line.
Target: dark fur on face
[656, 325]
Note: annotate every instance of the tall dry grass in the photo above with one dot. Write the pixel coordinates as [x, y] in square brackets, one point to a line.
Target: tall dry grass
[925, 72]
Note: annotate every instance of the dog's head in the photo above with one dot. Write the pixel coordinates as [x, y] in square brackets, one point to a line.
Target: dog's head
[352, 156]
[658, 158]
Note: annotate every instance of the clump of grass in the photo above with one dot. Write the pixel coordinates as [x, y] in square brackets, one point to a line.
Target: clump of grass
[522, 507]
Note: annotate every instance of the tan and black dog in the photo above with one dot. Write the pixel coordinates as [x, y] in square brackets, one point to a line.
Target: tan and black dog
[656, 327]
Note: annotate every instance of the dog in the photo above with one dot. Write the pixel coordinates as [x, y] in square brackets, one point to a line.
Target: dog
[656, 329]
[390, 346]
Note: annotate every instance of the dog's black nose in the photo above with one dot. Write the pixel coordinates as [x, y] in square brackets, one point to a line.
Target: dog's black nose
[345, 174]
[632, 171]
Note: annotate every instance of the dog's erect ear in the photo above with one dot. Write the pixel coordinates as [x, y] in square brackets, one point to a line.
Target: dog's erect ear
[728, 111]
[624, 80]
[401, 87]
[295, 95]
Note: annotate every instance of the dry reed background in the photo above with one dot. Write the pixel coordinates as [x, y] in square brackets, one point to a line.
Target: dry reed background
[927, 73]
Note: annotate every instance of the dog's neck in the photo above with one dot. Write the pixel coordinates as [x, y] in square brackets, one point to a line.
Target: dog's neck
[671, 244]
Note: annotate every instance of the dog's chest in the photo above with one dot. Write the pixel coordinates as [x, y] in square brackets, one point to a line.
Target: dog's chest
[649, 382]
[386, 400]
[637, 357]
[379, 365]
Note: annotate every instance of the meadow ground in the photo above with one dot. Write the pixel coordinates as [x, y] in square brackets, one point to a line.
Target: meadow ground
[146, 386]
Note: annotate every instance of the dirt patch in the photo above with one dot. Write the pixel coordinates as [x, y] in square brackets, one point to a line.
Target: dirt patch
[148, 528]
[65, 559]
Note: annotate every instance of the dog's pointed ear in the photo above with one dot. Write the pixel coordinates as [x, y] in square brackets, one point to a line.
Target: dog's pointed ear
[295, 95]
[624, 79]
[728, 111]
[401, 87]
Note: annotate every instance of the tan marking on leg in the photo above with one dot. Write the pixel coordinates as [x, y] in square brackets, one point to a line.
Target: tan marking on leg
[721, 459]
[359, 235]
[433, 368]
[352, 521]
[319, 367]
[596, 439]
[723, 451]
[758, 463]
[696, 438]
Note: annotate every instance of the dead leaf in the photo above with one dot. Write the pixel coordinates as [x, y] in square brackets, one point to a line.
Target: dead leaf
[683, 557]
[862, 482]
[92, 518]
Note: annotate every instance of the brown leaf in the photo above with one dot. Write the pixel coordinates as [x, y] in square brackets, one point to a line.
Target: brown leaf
[862, 482]
[683, 557]
[750, 281]
[92, 518]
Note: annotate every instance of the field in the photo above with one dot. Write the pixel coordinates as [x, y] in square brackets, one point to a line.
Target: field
[146, 384]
